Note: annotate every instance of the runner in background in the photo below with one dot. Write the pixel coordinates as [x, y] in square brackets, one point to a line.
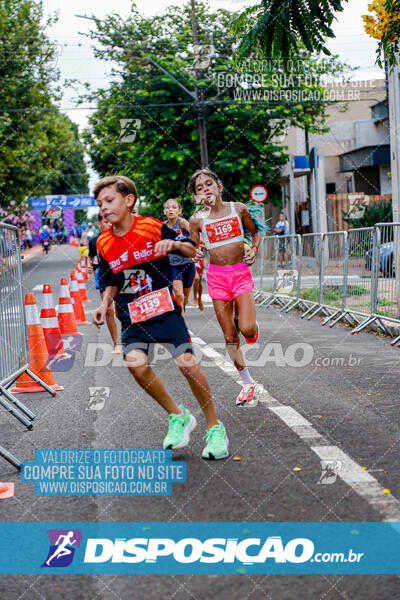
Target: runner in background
[183, 269]
[93, 267]
[133, 256]
[229, 279]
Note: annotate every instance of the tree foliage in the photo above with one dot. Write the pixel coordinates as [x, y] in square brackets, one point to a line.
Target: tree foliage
[244, 138]
[34, 135]
[281, 29]
[370, 214]
[72, 176]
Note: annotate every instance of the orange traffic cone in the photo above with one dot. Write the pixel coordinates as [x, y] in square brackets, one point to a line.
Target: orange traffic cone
[82, 287]
[38, 355]
[66, 316]
[51, 328]
[78, 266]
[77, 302]
[84, 268]
[6, 489]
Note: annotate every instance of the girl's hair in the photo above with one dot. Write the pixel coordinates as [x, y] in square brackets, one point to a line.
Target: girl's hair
[172, 200]
[208, 173]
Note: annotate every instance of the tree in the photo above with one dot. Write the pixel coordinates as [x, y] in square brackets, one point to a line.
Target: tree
[72, 177]
[243, 137]
[277, 29]
[370, 214]
[34, 135]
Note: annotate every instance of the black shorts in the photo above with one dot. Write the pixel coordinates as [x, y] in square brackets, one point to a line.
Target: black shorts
[170, 331]
[185, 273]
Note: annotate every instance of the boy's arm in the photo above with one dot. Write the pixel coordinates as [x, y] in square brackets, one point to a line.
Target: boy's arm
[170, 243]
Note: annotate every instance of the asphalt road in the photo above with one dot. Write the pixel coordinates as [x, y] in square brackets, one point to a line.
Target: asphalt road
[345, 387]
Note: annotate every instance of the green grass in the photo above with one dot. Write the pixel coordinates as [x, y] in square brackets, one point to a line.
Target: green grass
[332, 294]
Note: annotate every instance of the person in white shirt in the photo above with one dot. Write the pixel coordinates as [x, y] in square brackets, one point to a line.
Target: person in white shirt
[282, 228]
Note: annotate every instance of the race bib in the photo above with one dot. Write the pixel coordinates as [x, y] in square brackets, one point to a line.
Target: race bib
[151, 305]
[223, 230]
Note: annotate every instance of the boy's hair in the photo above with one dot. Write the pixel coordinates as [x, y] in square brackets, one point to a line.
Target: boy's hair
[172, 200]
[123, 184]
[99, 218]
[208, 173]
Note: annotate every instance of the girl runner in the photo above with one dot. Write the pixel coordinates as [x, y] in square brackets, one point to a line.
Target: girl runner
[229, 280]
[183, 269]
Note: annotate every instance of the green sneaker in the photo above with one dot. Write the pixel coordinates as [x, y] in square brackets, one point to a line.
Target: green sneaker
[180, 427]
[217, 443]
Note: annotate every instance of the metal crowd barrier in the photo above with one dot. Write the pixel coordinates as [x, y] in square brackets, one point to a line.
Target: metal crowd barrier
[344, 275]
[14, 349]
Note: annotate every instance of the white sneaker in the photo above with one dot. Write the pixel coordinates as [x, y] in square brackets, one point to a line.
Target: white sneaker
[250, 394]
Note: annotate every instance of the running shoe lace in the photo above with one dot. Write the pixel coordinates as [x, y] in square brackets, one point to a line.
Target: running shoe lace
[214, 433]
[176, 423]
[247, 388]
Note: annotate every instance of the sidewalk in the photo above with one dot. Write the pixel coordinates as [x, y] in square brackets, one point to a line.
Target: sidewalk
[31, 252]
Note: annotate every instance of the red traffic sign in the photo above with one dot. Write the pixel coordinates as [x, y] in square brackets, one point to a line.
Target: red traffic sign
[259, 193]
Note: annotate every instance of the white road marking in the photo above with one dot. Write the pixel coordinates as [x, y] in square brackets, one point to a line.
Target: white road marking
[38, 288]
[362, 482]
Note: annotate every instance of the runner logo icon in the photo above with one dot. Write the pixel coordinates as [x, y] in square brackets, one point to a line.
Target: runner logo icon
[63, 543]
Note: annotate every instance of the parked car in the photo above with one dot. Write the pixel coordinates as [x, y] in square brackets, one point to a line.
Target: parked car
[386, 266]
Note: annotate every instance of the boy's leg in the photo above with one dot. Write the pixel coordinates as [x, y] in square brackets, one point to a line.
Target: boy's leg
[181, 421]
[216, 439]
[136, 361]
[190, 368]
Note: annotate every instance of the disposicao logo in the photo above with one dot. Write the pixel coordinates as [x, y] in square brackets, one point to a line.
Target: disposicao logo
[62, 547]
[191, 550]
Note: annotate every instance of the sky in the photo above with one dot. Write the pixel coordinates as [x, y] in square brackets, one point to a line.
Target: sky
[76, 60]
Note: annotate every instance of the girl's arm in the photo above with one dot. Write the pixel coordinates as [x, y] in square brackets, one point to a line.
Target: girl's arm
[185, 224]
[255, 235]
[195, 225]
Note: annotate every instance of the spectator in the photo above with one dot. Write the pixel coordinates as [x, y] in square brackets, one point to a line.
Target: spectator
[281, 229]
[28, 237]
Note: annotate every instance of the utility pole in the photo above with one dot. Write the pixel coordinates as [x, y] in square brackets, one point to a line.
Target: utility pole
[394, 124]
[196, 95]
[200, 105]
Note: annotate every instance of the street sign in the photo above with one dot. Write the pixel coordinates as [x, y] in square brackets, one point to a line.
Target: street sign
[259, 193]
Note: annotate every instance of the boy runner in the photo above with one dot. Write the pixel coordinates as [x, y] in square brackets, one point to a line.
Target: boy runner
[133, 255]
[93, 267]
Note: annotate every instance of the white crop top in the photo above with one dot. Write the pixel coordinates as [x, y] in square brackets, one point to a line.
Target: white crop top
[223, 230]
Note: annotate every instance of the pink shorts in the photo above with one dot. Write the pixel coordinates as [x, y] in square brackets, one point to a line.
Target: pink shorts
[227, 282]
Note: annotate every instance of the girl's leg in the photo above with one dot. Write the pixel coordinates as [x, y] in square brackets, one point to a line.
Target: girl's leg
[186, 294]
[190, 368]
[224, 311]
[200, 291]
[195, 289]
[178, 291]
[247, 315]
